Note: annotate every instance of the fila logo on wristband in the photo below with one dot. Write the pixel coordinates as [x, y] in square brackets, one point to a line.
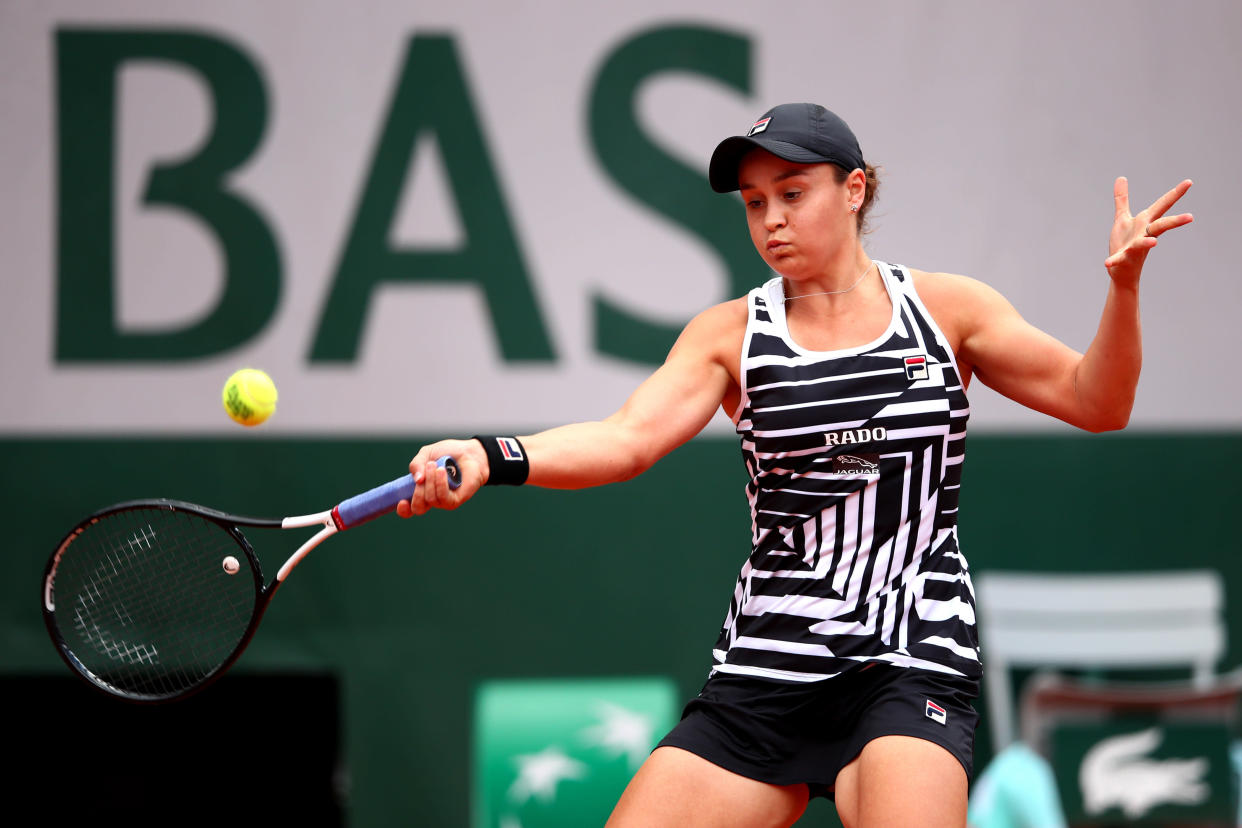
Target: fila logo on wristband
[506, 460]
[510, 448]
[936, 713]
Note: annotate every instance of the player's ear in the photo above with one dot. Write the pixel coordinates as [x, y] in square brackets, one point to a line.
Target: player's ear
[855, 188]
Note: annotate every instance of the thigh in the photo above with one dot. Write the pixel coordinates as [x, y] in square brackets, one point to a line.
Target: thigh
[678, 789]
[900, 781]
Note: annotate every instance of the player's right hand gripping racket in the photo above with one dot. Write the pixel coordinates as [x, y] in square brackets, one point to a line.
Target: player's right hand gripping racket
[152, 600]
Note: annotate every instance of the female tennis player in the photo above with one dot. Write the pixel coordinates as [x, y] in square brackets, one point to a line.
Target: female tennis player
[848, 658]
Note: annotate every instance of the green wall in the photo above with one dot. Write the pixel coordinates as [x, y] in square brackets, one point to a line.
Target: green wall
[628, 580]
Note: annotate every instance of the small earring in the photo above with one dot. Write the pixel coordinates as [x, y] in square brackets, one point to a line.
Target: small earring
[853, 208]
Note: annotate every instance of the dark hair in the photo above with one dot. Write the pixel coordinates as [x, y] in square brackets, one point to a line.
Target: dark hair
[873, 185]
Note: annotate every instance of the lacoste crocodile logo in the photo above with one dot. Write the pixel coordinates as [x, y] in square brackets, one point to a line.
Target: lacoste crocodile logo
[1118, 772]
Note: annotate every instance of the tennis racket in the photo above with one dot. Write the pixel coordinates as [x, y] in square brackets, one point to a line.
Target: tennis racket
[152, 600]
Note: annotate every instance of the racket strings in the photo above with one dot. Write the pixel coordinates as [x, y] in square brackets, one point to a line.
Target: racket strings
[144, 604]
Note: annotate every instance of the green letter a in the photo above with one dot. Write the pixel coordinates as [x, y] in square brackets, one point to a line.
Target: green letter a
[432, 96]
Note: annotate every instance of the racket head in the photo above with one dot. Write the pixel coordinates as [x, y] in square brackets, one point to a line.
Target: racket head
[139, 603]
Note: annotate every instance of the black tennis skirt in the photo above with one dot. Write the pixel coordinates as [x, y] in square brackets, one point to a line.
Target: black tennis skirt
[786, 733]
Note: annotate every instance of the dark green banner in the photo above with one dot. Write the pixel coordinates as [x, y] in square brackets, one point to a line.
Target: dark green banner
[414, 617]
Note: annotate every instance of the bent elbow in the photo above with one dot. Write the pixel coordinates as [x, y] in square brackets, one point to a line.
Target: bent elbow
[644, 452]
[1108, 421]
[632, 468]
[644, 457]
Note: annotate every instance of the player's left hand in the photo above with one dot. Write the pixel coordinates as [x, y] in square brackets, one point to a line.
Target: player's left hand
[1133, 237]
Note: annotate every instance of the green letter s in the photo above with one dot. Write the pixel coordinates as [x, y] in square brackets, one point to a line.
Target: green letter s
[661, 182]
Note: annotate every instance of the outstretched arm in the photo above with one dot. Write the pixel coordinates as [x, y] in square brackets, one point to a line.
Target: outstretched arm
[670, 407]
[1094, 391]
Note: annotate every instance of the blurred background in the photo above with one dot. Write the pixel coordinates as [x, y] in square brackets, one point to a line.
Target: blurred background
[446, 219]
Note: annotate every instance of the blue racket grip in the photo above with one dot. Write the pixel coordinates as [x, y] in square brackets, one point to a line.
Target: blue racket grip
[383, 499]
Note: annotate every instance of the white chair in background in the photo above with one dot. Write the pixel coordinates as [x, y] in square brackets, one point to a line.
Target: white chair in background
[1147, 620]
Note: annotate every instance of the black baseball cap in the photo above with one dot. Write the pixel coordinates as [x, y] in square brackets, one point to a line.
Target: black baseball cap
[804, 133]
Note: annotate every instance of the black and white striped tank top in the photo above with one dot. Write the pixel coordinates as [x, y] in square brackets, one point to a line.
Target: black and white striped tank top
[854, 458]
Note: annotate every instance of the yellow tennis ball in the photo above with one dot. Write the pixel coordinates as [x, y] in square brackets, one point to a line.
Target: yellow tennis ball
[249, 396]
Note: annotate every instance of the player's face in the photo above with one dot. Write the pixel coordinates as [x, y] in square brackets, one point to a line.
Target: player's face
[797, 213]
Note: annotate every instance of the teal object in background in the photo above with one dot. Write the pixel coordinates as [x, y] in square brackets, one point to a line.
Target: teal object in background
[1017, 789]
[558, 753]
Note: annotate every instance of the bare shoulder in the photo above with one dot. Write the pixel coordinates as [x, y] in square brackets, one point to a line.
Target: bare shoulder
[952, 287]
[958, 303]
[715, 336]
[725, 320]
[731, 312]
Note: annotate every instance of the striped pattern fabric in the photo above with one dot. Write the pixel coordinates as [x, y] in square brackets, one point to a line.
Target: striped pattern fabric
[854, 459]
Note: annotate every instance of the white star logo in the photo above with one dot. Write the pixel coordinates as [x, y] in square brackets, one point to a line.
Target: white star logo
[540, 773]
[621, 731]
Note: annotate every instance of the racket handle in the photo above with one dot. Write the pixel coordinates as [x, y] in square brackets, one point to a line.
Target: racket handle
[383, 499]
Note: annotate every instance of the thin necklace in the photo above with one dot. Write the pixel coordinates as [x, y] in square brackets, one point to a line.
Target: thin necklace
[857, 282]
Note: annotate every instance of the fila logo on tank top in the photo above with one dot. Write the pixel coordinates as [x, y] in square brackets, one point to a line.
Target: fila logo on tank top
[854, 458]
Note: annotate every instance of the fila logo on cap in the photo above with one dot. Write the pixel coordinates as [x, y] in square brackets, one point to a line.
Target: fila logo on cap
[760, 126]
[936, 713]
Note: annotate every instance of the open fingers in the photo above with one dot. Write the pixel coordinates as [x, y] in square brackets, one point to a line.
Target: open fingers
[1133, 236]
[1157, 221]
[1121, 196]
[1161, 205]
[1162, 225]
